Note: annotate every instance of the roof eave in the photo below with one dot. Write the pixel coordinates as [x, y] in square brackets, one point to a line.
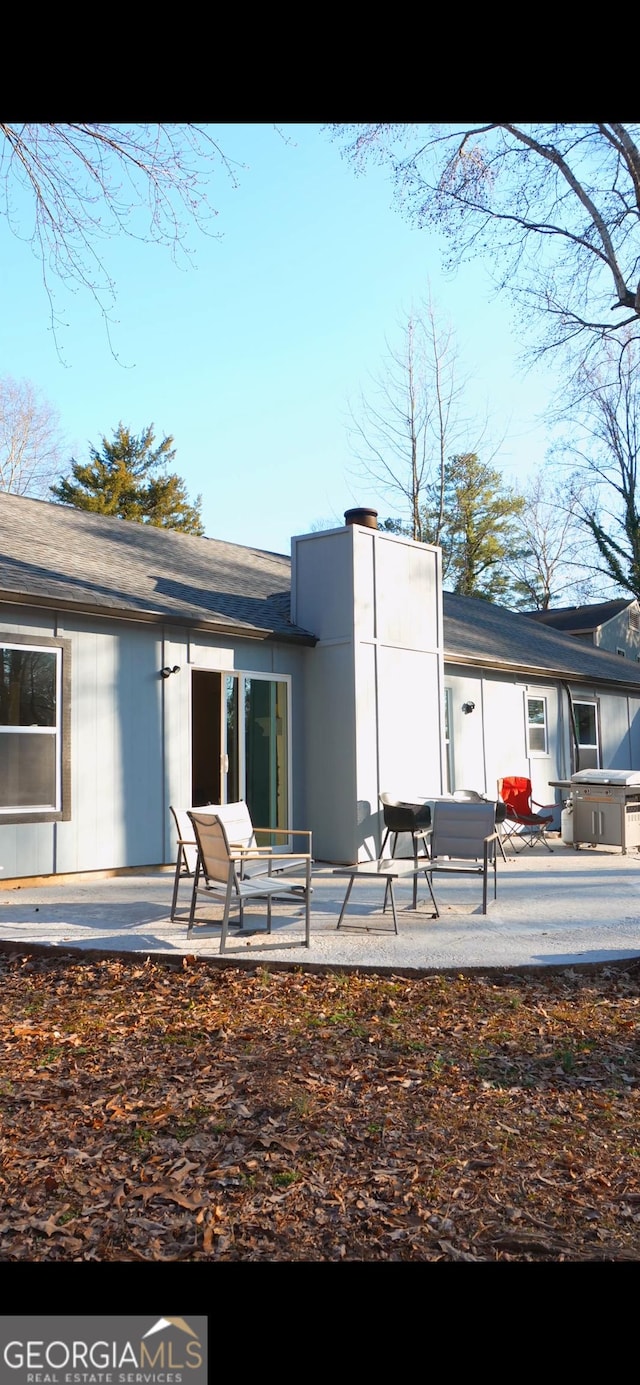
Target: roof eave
[148, 617]
[531, 671]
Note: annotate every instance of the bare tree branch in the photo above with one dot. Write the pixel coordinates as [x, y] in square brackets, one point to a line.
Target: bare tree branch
[411, 419]
[554, 210]
[604, 417]
[552, 566]
[67, 189]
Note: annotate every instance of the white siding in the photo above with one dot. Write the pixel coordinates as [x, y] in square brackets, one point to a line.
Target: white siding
[374, 705]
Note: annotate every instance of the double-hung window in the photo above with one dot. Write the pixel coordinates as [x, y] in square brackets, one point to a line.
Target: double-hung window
[585, 720]
[537, 734]
[31, 768]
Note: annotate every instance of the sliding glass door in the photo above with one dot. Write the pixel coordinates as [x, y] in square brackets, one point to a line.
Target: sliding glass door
[266, 758]
[240, 743]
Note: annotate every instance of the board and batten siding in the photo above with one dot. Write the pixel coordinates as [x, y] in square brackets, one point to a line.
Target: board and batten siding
[374, 700]
[129, 738]
[490, 742]
[115, 747]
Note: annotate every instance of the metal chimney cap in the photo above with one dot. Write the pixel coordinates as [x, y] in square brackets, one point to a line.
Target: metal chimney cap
[369, 518]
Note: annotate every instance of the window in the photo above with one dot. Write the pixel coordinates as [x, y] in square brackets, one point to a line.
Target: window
[537, 743]
[30, 762]
[585, 720]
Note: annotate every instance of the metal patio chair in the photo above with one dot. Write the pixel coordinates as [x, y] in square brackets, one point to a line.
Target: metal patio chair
[412, 818]
[186, 854]
[220, 864]
[240, 828]
[472, 796]
[465, 832]
[240, 831]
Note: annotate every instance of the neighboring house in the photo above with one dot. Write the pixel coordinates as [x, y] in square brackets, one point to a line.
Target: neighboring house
[612, 625]
[141, 667]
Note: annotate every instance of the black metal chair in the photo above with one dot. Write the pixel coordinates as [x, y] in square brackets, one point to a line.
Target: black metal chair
[410, 818]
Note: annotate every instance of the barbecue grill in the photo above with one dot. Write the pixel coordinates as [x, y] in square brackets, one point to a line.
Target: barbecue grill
[606, 807]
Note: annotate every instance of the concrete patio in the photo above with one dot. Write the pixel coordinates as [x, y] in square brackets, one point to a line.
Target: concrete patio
[565, 908]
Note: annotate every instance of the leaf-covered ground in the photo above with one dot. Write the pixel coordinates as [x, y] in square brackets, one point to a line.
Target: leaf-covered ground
[154, 1113]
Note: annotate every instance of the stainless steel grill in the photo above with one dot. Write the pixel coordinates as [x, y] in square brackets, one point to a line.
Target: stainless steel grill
[606, 807]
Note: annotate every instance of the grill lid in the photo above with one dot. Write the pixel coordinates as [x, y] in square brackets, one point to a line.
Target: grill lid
[606, 776]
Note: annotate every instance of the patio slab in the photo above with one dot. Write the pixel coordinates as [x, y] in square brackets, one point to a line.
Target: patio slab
[566, 908]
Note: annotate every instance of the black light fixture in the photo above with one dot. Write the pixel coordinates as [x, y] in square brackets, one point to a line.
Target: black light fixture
[468, 706]
[166, 672]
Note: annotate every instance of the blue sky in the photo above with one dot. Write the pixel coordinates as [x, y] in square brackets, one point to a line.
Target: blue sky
[250, 358]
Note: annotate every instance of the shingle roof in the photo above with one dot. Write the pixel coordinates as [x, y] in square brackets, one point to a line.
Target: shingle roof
[581, 620]
[57, 555]
[477, 632]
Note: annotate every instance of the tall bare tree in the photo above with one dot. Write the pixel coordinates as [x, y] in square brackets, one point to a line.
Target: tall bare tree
[31, 441]
[554, 210]
[403, 428]
[604, 446]
[552, 566]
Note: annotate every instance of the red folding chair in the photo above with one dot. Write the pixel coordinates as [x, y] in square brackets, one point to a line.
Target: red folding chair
[522, 826]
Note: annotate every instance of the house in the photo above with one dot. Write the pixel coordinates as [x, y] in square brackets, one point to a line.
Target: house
[612, 625]
[141, 667]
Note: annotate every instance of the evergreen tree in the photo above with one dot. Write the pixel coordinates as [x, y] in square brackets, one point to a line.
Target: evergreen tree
[127, 477]
[479, 528]
[395, 526]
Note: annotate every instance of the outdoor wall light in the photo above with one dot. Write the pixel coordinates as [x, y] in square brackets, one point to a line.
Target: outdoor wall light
[468, 706]
[166, 672]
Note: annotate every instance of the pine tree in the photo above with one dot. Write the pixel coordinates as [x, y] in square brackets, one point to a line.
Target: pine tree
[479, 530]
[127, 477]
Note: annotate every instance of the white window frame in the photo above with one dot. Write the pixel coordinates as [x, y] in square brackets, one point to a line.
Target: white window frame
[595, 745]
[535, 752]
[38, 809]
[448, 737]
